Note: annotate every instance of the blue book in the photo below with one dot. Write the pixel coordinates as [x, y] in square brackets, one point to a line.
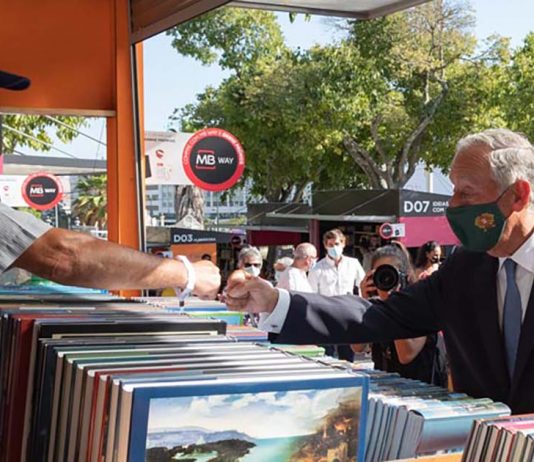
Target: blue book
[313, 416]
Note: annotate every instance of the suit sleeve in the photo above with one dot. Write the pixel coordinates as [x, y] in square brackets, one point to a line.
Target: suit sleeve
[313, 318]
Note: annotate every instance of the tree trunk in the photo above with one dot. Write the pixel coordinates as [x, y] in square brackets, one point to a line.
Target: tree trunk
[189, 200]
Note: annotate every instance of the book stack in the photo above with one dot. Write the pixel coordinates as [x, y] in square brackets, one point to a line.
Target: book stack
[506, 439]
[101, 378]
[407, 418]
[197, 308]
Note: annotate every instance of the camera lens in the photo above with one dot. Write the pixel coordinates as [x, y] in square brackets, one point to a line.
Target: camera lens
[386, 278]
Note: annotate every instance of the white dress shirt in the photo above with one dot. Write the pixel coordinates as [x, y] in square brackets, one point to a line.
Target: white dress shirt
[327, 278]
[294, 279]
[524, 276]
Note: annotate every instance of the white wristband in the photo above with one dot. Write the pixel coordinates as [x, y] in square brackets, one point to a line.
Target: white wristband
[191, 277]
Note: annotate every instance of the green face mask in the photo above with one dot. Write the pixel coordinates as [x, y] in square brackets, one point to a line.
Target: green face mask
[478, 227]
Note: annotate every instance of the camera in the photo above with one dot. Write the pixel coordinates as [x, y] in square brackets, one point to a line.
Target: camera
[387, 277]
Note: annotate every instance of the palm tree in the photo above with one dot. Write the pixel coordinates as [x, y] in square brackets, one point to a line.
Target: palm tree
[91, 204]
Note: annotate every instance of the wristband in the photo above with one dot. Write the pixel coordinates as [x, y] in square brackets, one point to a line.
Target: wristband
[191, 278]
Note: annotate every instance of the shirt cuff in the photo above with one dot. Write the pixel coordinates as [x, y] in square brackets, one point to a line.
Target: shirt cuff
[274, 321]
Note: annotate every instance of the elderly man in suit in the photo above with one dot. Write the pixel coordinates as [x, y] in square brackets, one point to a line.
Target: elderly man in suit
[481, 297]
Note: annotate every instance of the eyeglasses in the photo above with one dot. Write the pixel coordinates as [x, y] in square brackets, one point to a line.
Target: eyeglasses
[255, 265]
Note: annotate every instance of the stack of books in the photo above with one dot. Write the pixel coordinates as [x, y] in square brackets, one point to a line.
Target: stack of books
[505, 439]
[197, 308]
[101, 378]
[407, 418]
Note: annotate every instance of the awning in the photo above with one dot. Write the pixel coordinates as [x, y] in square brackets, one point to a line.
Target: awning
[258, 238]
[363, 9]
[351, 218]
[26, 165]
[150, 17]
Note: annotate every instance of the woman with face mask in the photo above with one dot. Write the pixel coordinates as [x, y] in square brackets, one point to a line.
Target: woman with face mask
[428, 259]
[416, 358]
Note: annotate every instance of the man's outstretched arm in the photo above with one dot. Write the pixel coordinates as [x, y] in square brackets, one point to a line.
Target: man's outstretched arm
[73, 258]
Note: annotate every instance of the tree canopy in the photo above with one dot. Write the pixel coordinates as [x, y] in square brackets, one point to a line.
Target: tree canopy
[362, 111]
[34, 131]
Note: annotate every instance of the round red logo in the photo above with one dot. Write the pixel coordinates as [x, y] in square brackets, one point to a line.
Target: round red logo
[213, 159]
[42, 191]
[385, 231]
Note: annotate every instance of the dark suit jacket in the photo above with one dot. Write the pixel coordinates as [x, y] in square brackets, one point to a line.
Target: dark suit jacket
[460, 299]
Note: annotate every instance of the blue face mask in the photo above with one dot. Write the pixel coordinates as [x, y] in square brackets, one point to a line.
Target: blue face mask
[335, 252]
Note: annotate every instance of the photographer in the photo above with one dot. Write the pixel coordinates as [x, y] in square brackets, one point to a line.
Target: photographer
[416, 358]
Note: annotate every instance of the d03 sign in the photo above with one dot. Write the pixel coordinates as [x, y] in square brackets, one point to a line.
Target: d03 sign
[213, 159]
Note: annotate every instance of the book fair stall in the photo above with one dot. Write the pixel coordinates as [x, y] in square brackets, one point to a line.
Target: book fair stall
[92, 376]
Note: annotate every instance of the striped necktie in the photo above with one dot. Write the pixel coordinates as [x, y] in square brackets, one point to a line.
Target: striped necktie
[512, 316]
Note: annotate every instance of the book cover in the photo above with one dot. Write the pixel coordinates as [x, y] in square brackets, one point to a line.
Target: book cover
[289, 420]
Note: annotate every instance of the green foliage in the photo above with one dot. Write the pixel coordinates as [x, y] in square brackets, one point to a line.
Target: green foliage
[366, 110]
[233, 37]
[518, 89]
[91, 204]
[33, 131]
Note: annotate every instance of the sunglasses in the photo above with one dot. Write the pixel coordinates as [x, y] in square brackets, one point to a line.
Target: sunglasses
[255, 265]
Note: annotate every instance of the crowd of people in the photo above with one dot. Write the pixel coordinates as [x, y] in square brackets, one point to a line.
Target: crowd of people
[421, 358]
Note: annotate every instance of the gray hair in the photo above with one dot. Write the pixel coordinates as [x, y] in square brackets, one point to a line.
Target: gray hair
[511, 156]
[304, 250]
[249, 252]
[288, 261]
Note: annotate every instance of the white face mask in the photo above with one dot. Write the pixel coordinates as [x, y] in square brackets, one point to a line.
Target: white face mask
[252, 270]
[312, 264]
[335, 252]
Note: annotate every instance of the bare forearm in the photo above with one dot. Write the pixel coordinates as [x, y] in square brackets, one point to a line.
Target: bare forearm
[78, 259]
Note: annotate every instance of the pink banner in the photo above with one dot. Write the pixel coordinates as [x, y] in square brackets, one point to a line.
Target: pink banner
[422, 229]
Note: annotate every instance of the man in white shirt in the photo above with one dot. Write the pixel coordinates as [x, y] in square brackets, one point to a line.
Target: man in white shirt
[481, 297]
[335, 274]
[294, 277]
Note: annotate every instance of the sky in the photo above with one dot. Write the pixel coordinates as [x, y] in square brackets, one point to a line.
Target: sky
[290, 413]
[172, 81]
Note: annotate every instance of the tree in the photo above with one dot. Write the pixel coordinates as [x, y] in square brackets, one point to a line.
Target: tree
[364, 111]
[424, 62]
[518, 90]
[91, 204]
[33, 131]
[264, 103]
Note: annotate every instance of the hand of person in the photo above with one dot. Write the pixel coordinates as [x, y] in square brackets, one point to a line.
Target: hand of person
[248, 293]
[367, 286]
[208, 280]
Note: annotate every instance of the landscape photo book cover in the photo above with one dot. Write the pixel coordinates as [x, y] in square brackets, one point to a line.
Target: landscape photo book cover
[292, 425]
